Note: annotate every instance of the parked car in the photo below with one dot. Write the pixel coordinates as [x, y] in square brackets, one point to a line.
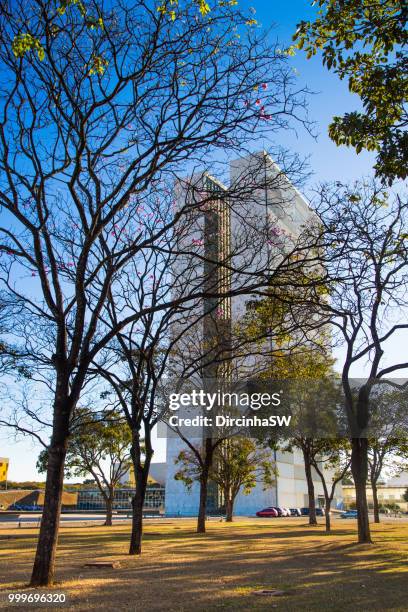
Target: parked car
[295, 512]
[306, 511]
[285, 511]
[352, 514]
[268, 513]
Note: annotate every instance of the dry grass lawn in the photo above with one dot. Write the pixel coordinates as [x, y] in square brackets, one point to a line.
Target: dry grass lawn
[182, 571]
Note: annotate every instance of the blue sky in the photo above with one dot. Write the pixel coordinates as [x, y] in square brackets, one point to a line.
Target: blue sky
[327, 162]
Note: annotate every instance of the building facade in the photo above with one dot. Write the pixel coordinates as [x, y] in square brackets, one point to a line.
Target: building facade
[157, 475]
[4, 465]
[270, 200]
[92, 499]
[289, 488]
[390, 493]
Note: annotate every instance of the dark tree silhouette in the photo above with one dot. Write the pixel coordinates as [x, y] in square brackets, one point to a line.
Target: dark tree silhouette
[365, 262]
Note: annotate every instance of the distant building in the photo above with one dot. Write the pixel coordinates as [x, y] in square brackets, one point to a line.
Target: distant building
[157, 475]
[281, 207]
[91, 499]
[4, 465]
[289, 488]
[390, 492]
[30, 499]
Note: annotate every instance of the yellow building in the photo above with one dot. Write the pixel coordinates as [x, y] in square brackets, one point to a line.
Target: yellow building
[157, 475]
[391, 492]
[4, 464]
[129, 478]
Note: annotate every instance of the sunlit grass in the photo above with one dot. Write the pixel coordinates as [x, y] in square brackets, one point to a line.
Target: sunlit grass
[221, 569]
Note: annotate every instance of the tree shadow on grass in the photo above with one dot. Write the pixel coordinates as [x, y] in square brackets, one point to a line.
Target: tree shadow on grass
[180, 570]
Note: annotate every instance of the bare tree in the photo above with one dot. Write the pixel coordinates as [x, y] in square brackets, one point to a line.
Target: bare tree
[331, 462]
[96, 115]
[312, 449]
[365, 261]
[386, 453]
[99, 446]
[190, 336]
[388, 444]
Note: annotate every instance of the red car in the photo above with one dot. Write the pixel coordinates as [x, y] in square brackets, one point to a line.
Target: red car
[268, 513]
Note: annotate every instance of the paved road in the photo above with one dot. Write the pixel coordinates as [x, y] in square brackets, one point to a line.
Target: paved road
[32, 519]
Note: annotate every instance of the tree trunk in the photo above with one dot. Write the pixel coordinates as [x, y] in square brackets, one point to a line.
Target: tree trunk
[205, 473]
[135, 546]
[229, 507]
[109, 509]
[327, 507]
[359, 468]
[141, 477]
[202, 508]
[376, 507]
[310, 487]
[328, 498]
[44, 562]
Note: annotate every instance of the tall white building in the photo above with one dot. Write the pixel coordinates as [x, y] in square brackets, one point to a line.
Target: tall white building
[269, 199]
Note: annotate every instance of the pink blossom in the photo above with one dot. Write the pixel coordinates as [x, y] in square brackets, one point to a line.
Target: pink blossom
[263, 115]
